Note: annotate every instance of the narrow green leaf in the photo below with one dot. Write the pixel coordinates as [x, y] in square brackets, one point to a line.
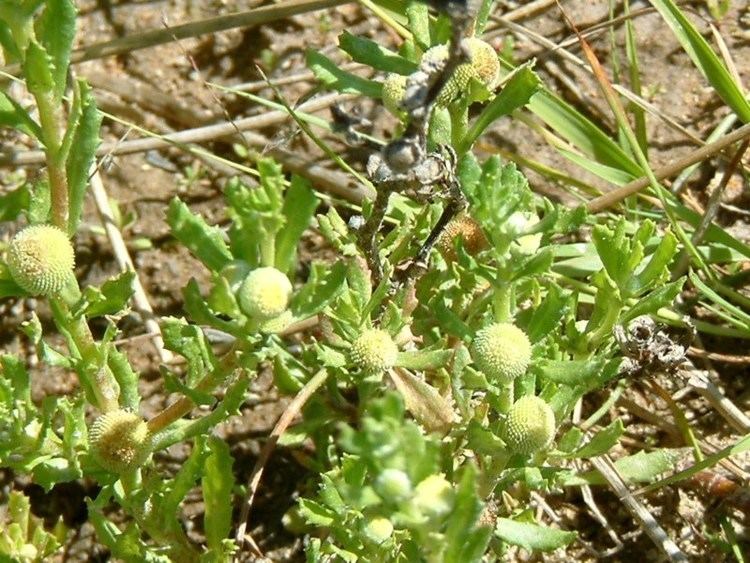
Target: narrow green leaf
[332, 76]
[532, 537]
[204, 241]
[518, 90]
[78, 166]
[570, 124]
[662, 296]
[465, 540]
[704, 58]
[217, 484]
[109, 299]
[419, 23]
[56, 30]
[14, 116]
[37, 69]
[423, 359]
[300, 204]
[602, 441]
[13, 202]
[373, 54]
[318, 292]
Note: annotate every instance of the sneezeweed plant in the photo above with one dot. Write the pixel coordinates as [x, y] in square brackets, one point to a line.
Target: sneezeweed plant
[453, 347]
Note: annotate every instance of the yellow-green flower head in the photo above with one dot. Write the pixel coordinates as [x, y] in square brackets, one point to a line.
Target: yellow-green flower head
[394, 88]
[374, 351]
[529, 426]
[393, 485]
[41, 259]
[434, 496]
[483, 66]
[379, 529]
[119, 441]
[501, 351]
[265, 293]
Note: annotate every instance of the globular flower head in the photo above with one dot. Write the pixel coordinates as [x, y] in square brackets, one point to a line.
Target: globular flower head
[434, 496]
[468, 230]
[119, 441]
[502, 352]
[394, 88]
[379, 529]
[529, 426]
[265, 293]
[374, 351]
[393, 485]
[483, 66]
[41, 259]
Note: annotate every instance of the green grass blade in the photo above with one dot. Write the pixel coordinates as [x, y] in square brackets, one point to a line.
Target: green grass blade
[704, 57]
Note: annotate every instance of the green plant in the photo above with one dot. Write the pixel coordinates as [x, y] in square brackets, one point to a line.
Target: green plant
[459, 322]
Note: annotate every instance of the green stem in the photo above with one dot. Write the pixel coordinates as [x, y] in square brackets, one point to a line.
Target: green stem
[52, 122]
[92, 369]
[505, 397]
[501, 300]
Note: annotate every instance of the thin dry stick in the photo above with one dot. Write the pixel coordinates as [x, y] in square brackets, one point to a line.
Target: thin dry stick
[604, 465]
[195, 135]
[153, 37]
[291, 411]
[617, 195]
[700, 381]
[125, 262]
[712, 208]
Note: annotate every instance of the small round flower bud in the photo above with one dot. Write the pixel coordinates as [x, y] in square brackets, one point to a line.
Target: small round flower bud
[265, 293]
[502, 352]
[483, 66]
[529, 426]
[468, 230]
[41, 259]
[434, 496]
[119, 441]
[379, 530]
[393, 485]
[394, 88]
[374, 351]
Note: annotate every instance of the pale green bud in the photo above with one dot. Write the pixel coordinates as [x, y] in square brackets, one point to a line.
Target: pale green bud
[393, 485]
[374, 351]
[502, 351]
[265, 293]
[41, 259]
[379, 530]
[529, 426]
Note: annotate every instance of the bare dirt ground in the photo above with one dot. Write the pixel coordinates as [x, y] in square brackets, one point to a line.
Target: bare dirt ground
[165, 89]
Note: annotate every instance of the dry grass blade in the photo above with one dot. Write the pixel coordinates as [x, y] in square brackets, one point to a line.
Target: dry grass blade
[604, 465]
[195, 135]
[617, 195]
[151, 38]
[286, 418]
[125, 262]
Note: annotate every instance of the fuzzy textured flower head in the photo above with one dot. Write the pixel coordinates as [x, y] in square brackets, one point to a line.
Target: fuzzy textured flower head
[119, 441]
[374, 351]
[483, 66]
[468, 230]
[394, 88]
[529, 426]
[265, 293]
[502, 351]
[40, 259]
